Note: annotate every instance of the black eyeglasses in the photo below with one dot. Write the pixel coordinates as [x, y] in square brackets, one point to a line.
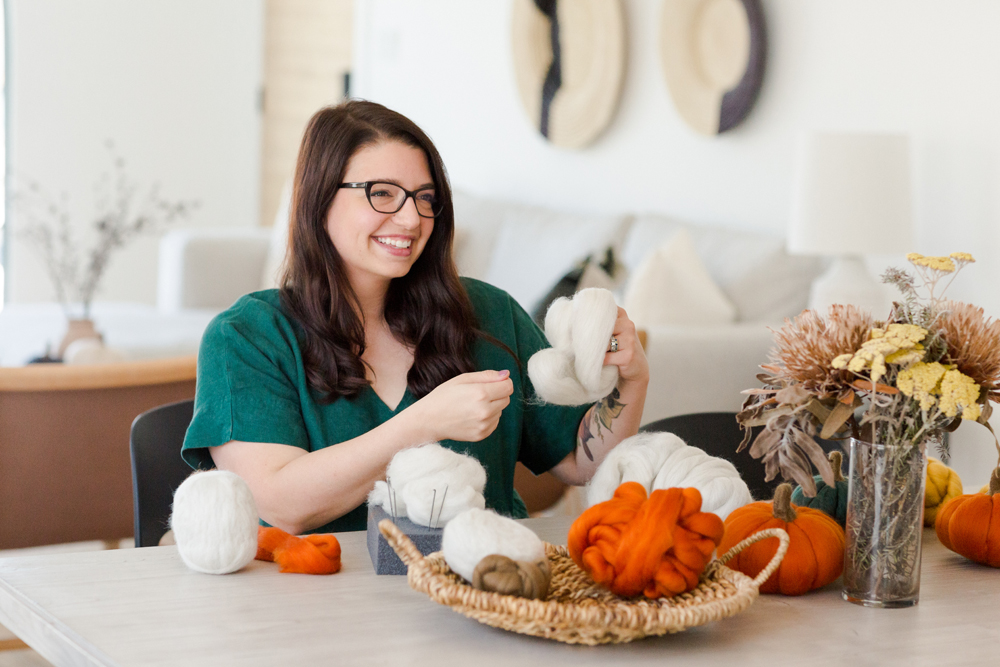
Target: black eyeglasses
[389, 197]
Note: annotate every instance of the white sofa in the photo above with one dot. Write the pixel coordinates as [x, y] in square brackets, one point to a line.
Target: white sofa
[525, 250]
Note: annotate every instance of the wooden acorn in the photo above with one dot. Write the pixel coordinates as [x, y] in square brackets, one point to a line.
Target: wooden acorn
[963, 524]
[829, 499]
[943, 484]
[816, 544]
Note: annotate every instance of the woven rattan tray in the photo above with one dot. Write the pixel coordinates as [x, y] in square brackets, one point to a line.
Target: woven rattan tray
[577, 611]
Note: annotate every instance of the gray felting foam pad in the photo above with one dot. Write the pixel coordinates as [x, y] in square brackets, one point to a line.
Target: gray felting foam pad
[427, 540]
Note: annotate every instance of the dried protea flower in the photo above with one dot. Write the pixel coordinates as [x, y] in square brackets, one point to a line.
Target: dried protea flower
[805, 347]
[973, 342]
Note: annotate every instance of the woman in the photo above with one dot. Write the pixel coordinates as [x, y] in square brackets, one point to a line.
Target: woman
[373, 344]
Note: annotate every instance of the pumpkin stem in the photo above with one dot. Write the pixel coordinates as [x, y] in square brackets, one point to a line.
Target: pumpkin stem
[782, 504]
[995, 482]
[837, 460]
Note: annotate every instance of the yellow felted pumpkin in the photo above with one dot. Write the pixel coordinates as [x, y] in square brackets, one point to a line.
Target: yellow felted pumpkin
[815, 549]
[943, 484]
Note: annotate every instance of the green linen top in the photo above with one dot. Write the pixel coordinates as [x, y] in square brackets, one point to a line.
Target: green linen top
[252, 387]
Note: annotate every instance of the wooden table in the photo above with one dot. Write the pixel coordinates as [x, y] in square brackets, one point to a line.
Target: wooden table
[65, 467]
[143, 607]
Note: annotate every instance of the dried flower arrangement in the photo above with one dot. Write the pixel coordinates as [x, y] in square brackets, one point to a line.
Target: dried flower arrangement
[122, 215]
[932, 364]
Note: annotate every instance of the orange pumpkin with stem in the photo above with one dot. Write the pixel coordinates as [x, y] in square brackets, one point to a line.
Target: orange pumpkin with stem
[970, 524]
[816, 544]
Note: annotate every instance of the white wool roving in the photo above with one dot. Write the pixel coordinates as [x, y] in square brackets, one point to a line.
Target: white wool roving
[721, 487]
[572, 371]
[430, 484]
[214, 520]
[635, 459]
[662, 461]
[476, 533]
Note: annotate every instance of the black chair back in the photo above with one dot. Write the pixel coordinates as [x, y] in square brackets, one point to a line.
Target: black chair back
[157, 467]
[719, 434]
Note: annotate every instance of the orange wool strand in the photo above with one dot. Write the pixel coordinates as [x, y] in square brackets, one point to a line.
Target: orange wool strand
[310, 554]
[656, 546]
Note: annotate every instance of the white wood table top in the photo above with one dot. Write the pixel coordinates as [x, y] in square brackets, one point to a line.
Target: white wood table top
[144, 607]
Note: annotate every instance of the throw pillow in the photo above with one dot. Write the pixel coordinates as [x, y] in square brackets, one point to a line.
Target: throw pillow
[587, 273]
[672, 286]
[534, 248]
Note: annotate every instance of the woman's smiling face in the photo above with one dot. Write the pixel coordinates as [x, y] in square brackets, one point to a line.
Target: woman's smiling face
[377, 247]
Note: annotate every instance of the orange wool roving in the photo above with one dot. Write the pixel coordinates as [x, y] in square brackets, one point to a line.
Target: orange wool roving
[656, 546]
[311, 554]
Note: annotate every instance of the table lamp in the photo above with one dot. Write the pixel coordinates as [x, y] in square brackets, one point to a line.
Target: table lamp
[852, 198]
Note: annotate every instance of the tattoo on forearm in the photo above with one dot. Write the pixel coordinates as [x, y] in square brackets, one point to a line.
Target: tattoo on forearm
[600, 415]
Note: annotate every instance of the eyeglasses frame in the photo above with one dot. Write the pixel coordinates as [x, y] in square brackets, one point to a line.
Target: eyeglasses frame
[367, 185]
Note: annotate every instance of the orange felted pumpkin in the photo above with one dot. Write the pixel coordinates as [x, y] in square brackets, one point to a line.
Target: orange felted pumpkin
[656, 546]
[816, 544]
[970, 525]
[310, 554]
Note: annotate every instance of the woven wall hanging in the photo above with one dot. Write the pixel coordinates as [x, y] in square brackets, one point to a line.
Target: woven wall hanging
[713, 54]
[569, 60]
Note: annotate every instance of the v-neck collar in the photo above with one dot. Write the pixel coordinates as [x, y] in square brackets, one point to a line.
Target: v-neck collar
[382, 406]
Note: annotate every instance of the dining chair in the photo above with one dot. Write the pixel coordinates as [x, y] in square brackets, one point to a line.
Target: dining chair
[157, 467]
[719, 434]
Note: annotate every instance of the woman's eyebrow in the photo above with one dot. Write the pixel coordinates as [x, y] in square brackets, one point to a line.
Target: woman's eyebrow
[397, 183]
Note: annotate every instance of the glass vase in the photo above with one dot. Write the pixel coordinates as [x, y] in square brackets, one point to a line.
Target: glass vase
[885, 517]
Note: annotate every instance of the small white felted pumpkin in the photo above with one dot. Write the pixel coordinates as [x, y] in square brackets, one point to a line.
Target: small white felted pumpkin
[430, 484]
[663, 461]
[214, 521]
[475, 534]
[572, 371]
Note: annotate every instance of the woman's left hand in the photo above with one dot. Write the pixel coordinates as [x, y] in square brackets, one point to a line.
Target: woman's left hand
[630, 357]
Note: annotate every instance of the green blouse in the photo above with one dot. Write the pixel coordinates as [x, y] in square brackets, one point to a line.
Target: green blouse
[252, 387]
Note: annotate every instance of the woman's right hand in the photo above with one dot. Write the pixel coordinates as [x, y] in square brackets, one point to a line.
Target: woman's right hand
[465, 408]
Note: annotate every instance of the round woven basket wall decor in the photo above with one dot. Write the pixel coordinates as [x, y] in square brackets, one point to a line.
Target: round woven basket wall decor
[713, 54]
[569, 61]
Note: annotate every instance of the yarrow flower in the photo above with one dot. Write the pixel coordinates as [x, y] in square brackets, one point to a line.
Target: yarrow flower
[896, 344]
[922, 382]
[958, 391]
[962, 257]
[942, 264]
[936, 384]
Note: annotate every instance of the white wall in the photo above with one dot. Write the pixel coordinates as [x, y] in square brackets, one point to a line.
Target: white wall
[927, 67]
[174, 83]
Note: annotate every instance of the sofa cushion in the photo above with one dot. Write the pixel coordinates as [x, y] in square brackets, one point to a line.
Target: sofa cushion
[535, 247]
[605, 273]
[752, 269]
[672, 286]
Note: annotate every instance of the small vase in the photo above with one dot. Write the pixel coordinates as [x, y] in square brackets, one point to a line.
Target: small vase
[76, 330]
[885, 517]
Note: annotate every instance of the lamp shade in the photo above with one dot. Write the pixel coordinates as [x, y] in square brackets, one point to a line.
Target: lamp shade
[852, 195]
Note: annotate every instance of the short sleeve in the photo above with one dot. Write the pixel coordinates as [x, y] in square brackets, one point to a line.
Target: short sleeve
[549, 432]
[248, 385]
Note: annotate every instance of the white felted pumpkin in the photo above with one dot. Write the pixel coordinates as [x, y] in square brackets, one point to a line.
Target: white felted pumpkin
[662, 461]
[214, 521]
[475, 534]
[572, 371]
[430, 484]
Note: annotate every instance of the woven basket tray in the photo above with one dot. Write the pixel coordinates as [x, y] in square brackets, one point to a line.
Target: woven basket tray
[578, 611]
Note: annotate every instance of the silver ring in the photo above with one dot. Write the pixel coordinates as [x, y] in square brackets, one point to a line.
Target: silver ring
[614, 345]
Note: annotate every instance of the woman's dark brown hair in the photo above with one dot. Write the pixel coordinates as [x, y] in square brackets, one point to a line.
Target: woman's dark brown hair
[427, 308]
